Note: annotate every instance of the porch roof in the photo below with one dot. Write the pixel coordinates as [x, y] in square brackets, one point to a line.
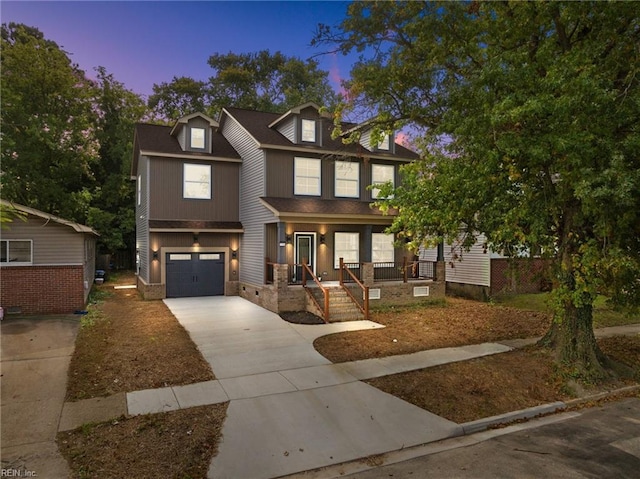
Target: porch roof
[311, 209]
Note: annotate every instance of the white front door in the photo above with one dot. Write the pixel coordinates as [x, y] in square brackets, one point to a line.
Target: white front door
[305, 244]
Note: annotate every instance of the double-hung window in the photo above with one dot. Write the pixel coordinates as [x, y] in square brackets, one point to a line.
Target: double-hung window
[16, 252]
[307, 176]
[197, 182]
[382, 249]
[347, 247]
[381, 174]
[197, 138]
[347, 179]
[308, 131]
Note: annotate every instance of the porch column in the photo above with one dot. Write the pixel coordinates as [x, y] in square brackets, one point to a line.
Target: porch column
[282, 243]
[367, 244]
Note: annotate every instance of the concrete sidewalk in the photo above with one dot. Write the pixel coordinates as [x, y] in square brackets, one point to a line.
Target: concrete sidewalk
[291, 410]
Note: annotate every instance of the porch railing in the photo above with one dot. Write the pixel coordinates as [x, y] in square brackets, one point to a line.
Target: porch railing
[353, 268]
[308, 273]
[346, 271]
[404, 270]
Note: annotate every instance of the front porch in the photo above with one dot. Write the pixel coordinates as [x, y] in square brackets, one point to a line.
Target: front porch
[360, 286]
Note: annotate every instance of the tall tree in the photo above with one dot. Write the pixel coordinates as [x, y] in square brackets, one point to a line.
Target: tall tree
[532, 118]
[111, 212]
[48, 146]
[262, 81]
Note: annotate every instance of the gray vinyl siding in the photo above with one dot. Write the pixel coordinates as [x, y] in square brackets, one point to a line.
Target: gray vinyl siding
[253, 214]
[288, 129]
[52, 243]
[166, 192]
[142, 218]
[474, 268]
[365, 139]
[182, 138]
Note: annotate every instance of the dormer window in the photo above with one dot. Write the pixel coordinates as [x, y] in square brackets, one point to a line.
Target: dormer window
[384, 143]
[309, 131]
[198, 138]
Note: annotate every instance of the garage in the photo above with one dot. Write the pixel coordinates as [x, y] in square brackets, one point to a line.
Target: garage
[194, 274]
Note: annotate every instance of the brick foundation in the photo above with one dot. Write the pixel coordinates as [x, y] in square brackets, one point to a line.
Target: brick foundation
[42, 289]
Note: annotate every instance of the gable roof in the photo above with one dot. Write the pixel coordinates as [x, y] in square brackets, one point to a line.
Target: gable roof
[41, 214]
[150, 139]
[296, 111]
[257, 124]
[185, 119]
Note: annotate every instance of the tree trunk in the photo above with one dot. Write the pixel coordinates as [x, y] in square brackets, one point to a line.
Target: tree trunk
[573, 341]
[571, 333]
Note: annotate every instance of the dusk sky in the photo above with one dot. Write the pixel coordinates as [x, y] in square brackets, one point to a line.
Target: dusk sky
[142, 43]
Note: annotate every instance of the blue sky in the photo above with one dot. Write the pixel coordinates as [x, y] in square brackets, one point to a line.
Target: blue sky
[142, 43]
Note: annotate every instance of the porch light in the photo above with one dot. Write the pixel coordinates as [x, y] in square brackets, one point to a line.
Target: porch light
[155, 255]
[322, 239]
[195, 240]
[234, 254]
[288, 237]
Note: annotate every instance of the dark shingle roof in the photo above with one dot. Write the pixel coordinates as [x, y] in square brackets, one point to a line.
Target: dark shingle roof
[157, 138]
[320, 207]
[257, 124]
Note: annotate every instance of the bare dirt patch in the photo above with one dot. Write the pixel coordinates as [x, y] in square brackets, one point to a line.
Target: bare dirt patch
[176, 444]
[458, 322]
[128, 344]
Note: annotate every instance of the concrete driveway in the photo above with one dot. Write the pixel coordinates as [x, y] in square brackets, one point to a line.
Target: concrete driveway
[294, 410]
[34, 363]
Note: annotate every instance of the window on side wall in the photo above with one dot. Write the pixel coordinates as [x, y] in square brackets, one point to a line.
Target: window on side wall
[347, 182]
[197, 182]
[16, 252]
[347, 247]
[382, 249]
[309, 131]
[381, 174]
[197, 138]
[307, 176]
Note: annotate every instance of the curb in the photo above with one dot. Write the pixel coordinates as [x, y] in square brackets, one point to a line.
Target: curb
[487, 422]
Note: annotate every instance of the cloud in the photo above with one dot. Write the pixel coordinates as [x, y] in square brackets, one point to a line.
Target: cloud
[334, 75]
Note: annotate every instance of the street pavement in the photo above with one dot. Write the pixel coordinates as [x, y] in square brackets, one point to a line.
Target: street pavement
[601, 442]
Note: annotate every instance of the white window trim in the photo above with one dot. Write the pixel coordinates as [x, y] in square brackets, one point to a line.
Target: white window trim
[184, 182]
[139, 190]
[18, 263]
[306, 121]
[356, 166]
[296, 176]
[393, 250]
[375, 191]
[192, 130]
[337, 254]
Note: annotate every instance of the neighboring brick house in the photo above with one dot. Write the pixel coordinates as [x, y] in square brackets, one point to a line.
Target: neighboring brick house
[239, 205]
[47, 264]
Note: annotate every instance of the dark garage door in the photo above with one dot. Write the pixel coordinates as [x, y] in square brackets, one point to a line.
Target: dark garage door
[195, 274]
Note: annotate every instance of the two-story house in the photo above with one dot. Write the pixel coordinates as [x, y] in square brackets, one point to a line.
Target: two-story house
[187, 209]
[225, 203]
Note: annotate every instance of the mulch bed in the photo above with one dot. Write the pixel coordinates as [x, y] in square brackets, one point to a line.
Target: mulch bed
[301, 317]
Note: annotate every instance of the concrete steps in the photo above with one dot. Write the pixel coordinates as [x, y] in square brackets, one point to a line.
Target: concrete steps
[341, 306]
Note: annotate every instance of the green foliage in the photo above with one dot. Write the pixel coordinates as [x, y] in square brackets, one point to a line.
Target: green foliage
[531, 115]
[66, 141]
[48, 142]
[262, 81]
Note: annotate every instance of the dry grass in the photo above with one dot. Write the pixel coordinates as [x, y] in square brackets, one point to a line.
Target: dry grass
[456, 323]
[176, 444]
[128, 344]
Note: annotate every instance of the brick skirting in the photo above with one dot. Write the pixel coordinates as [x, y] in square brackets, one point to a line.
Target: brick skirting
[42, 289]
